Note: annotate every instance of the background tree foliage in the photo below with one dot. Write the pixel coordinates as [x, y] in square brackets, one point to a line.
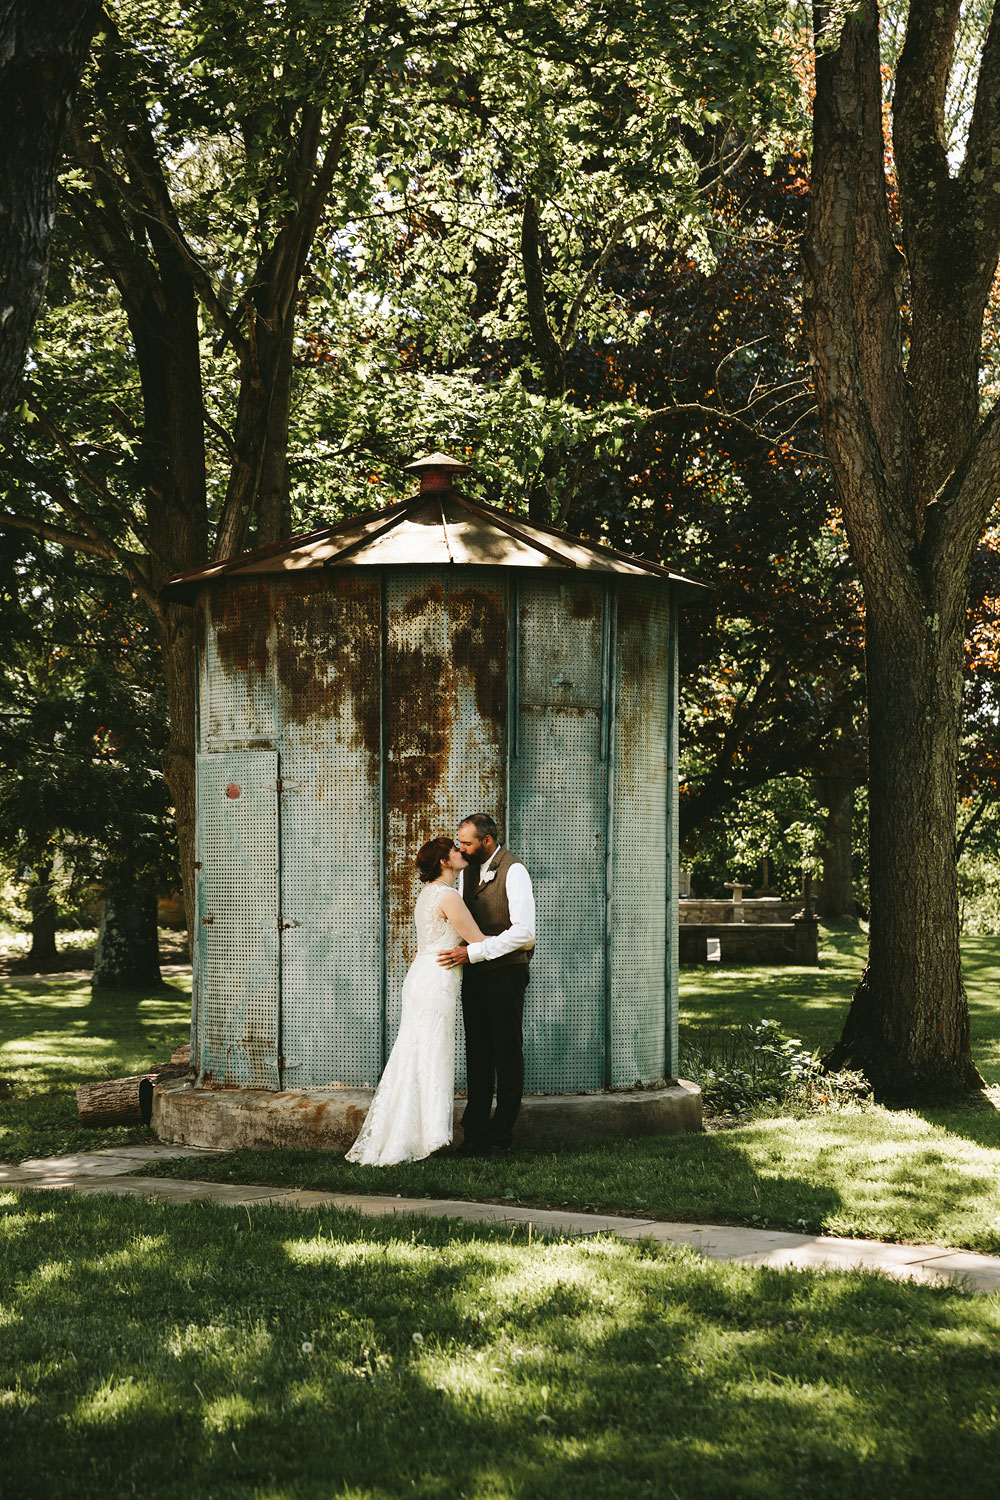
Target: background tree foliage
[299, 243]
[254, 199]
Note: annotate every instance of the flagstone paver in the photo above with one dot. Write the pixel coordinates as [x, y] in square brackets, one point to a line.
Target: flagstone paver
[110, 1171]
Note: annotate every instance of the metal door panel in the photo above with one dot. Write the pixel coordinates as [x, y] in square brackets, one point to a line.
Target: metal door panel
[238, 710]
[327, 655]
[237, 919]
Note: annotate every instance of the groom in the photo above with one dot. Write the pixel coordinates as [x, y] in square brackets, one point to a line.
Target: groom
[497, 891]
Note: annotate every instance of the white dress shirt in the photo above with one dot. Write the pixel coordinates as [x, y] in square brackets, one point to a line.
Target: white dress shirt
[521, 901]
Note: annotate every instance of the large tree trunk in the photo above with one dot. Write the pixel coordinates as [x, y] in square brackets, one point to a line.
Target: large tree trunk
[42, 905]
[917, 474]
[43, 48]
[836, 891]
[127, 956]
[908, 1027]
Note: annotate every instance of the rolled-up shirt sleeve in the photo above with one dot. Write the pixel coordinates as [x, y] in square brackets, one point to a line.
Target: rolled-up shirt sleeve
[521, 932]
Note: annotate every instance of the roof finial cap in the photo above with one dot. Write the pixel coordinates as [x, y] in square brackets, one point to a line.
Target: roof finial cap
[436, 471]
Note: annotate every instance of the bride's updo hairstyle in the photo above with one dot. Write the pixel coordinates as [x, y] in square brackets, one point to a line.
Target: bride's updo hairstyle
[430, 855]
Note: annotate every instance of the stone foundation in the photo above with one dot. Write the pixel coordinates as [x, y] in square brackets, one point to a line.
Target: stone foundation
[329, 1119]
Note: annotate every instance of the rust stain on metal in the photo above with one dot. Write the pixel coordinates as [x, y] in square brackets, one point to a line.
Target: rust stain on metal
[241, 616]
[328, 650]
[419, 683]
[638, 643]
[479, 647]
[583, 601]
[421, 702]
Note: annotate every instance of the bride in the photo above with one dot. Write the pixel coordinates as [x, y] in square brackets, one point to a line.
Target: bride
[411, 1113]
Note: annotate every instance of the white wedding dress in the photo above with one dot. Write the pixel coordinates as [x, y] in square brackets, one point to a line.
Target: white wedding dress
[411, 1113]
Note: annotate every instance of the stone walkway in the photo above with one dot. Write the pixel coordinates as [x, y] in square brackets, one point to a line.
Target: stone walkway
[107, 1171]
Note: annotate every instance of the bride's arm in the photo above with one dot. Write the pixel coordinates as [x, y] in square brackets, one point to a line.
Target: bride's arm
[460, 917]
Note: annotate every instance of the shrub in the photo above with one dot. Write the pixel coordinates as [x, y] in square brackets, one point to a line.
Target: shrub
[756, 1065]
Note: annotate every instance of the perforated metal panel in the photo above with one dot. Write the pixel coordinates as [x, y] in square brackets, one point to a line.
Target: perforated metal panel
[641, 853]
[330, 668]
[445, 733]
[328, 663]
[673, 844]
[237, 919]
[558, 793]
[237, 701]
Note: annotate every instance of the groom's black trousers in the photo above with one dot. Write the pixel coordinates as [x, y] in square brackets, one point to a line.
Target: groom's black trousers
[493, 1011]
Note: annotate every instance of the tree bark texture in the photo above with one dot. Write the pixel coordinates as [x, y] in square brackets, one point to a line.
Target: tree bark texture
[917, 474]
[836, 891]
[42, 904]
[123, 1101]
[127, 956]
[43, 48]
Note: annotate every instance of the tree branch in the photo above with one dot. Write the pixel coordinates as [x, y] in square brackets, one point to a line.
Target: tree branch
[101, 545]
[80, 468]
[56, 534]
[546, 345]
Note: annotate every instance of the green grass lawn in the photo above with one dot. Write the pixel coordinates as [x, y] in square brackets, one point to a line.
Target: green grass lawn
[812, 1003]
[888, 1174]
[274, 1354]
[54, 1036]
[165, 1351]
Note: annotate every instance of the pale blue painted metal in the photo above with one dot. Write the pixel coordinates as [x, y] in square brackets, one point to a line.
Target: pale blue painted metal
[557, 819]
[330, 864]
[237, 918]
[640, 850]
[387, 703]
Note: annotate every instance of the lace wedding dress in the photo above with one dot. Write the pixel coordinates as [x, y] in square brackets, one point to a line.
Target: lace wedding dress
[411, 1113]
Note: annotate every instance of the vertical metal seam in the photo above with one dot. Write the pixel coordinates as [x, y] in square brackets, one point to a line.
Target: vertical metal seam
[513, 711]
[609, 687]
[279, 1042]
[383, 824]
[673, 852]
[279, 728]
[200, 668]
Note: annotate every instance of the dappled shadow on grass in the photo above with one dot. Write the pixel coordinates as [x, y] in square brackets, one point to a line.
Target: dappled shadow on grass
[978, 1120]
[812, 1004]
[54, 1031]
[692, 1178]
[55, 1036]
[308, 1355]
[869, 1173]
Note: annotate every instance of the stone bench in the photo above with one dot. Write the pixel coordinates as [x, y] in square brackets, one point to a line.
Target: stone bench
[756, 942]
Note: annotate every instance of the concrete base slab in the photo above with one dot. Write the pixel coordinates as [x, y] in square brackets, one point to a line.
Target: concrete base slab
[329, 1119]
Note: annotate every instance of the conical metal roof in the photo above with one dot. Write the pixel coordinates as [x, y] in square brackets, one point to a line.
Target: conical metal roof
[434, 530]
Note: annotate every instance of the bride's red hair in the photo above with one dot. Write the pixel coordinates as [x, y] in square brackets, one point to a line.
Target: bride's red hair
[430, 856]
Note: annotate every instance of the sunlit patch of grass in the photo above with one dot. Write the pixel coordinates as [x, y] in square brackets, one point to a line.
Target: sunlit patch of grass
[55, 1035]
[451, 1360]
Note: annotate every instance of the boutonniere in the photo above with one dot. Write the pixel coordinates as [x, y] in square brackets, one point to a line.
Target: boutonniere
[485, 879]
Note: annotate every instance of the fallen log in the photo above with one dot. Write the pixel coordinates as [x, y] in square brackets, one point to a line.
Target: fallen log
[123, 1101]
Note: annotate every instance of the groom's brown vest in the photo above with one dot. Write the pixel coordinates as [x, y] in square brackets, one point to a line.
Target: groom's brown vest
[489, 908]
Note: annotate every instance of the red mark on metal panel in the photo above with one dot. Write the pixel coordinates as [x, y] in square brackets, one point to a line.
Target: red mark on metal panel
[232, 790]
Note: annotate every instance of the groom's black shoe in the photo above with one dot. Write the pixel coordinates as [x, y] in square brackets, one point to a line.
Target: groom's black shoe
[477, 1150]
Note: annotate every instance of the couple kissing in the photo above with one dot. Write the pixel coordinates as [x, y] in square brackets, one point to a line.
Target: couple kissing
[475, 922]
